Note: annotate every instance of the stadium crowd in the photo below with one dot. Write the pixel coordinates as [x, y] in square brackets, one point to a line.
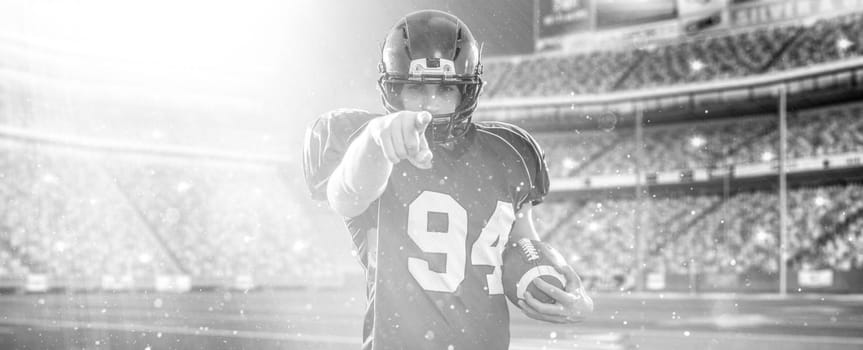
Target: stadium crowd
[822, 131]
[709, 234]
[60, 217]
[724, 56]
[80, 215]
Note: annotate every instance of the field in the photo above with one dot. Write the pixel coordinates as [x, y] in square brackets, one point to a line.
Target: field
[332, 319]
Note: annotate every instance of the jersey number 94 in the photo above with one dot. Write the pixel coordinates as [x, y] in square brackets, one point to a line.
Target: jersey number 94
[486, 251]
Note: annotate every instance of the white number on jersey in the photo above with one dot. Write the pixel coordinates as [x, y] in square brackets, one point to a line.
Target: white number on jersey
[452, 242]
[485, 252]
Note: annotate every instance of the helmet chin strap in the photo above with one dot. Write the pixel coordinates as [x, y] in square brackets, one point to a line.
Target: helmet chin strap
[453, 129]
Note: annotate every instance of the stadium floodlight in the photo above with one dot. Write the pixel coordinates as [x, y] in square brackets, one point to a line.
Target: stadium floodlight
[145, 258]
[820, 201]
[183, 186]
[762, 237]
[215, 47]
[697, 141]
[299, 246]
[696, 65]
[50, 178]
[843, 44]
[767, 156]
[569, 163]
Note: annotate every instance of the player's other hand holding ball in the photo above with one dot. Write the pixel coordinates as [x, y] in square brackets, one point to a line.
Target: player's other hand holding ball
[571, 305]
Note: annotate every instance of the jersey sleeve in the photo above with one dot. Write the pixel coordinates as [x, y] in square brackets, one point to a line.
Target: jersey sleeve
[326, 141]
[528, 152]
[359, 227]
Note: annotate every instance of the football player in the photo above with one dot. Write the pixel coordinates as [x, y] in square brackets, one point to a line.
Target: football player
[431, 198]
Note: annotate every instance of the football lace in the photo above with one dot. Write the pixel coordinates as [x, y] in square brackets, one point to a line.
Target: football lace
[528, 249]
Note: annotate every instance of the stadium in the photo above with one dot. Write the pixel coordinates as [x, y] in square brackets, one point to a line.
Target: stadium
[706, 164]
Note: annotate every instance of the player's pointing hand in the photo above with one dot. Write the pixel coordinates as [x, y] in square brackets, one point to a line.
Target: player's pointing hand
[401, 135]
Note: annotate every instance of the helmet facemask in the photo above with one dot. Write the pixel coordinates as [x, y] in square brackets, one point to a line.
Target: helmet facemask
[444, 127]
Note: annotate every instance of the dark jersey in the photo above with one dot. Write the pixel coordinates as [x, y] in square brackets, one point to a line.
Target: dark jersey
[433, 241]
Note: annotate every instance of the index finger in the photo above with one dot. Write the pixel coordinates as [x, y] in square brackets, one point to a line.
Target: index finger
[410, 137]
[556, 293]
[573, 282]
[422, 121]
[536, 315]
[543, 308]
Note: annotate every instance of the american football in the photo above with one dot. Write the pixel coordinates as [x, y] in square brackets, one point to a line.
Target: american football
[525, 260]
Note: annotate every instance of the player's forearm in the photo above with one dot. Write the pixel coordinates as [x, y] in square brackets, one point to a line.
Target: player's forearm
[360, 178]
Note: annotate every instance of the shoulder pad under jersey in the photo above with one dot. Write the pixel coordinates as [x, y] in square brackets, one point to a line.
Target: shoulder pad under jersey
[326, 141]
[536, 170]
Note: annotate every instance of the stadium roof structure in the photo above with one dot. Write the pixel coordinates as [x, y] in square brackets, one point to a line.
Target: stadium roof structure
[807, 87]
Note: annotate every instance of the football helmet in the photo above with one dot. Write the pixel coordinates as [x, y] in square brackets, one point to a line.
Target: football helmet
[432, 47]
